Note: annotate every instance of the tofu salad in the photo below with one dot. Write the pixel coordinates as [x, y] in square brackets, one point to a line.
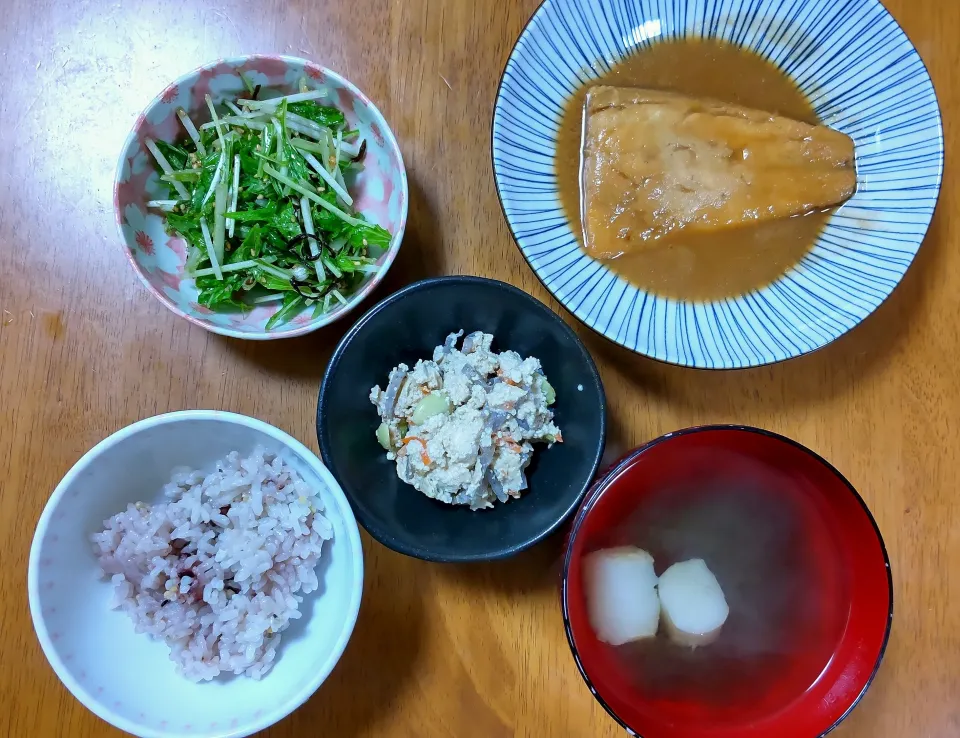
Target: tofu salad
[461, 426]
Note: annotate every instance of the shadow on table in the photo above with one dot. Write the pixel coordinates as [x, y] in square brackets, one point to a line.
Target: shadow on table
[306, 357]
[380, 657]
[618, 440]
[533, 570]
[833, 370]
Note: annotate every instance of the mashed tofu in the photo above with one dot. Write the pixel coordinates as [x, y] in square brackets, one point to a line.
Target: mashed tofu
[461, 426]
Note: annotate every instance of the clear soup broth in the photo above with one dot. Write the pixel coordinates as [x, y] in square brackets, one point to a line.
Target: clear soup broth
[764, 539]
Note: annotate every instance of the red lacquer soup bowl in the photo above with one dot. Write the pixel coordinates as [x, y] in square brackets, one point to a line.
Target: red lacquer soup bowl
[802, 566]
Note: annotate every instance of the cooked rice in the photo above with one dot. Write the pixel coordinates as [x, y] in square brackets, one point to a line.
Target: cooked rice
[215, 571]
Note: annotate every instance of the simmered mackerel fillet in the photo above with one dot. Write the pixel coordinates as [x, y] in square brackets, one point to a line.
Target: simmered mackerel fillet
[657, 163]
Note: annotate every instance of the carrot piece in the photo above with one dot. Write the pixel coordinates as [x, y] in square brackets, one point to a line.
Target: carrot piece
[506, 380]
[424, 456]
[510, 444]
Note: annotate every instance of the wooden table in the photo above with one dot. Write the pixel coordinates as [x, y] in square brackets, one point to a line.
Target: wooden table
[470, 652]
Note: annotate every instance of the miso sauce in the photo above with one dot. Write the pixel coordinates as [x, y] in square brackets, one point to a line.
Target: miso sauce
[706, 266]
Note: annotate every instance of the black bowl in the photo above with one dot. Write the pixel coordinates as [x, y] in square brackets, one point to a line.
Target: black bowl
[406, 327]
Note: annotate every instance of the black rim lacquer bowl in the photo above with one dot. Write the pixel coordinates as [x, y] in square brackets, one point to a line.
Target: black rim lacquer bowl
[406, 327]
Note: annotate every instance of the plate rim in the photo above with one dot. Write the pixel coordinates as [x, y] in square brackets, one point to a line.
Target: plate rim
[692, 364]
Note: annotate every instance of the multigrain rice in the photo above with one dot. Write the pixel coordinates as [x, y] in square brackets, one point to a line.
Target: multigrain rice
[216, 570]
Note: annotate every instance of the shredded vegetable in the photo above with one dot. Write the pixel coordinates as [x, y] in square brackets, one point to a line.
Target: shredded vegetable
[260, 195]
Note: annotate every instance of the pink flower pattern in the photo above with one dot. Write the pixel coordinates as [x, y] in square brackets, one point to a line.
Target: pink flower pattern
[144, 242]
[170, 94]
[170, 280]
[177, 246]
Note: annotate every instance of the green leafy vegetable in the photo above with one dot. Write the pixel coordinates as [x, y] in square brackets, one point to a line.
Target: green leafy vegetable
[274, 284]
[369, 235]
[208, 166]
[291, 305]
[327, 221]
[175, 155]
[285, 222]
[181, 223]
[264, 214]
[250, 247]
[253, 198]
[218, 294]
[322, 114]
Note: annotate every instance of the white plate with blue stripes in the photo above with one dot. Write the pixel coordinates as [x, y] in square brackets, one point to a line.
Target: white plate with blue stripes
[863, 75]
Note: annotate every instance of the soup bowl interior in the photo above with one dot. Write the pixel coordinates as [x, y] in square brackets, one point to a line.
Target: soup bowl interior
[802, 566]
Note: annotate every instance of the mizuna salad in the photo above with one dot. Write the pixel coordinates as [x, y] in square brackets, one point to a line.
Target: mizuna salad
[260, 195]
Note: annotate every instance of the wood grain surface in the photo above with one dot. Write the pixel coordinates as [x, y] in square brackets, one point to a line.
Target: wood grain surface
[463, 651]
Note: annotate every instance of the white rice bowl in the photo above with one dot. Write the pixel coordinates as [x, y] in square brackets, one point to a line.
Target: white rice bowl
[215, 571]
[128, 678]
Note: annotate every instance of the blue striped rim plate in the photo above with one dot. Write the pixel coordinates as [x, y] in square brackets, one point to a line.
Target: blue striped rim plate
[861, 73]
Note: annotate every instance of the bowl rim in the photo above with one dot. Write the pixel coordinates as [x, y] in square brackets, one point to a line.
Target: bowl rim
[357, 297]
[698, 367]
[383, 536]
[606, 478]
[284, 707]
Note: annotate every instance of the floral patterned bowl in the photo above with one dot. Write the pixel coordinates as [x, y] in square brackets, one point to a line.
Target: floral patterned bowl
[380, 191]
